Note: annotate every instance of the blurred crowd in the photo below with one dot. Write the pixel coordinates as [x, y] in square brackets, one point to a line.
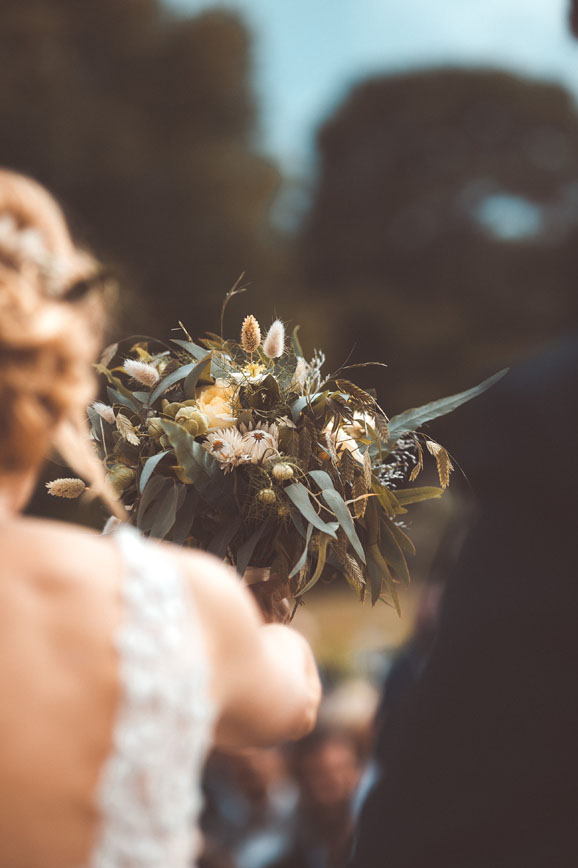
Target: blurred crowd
[296, 806]
[287, 807]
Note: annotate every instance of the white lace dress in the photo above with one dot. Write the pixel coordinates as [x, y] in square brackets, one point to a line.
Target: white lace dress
[149, 796]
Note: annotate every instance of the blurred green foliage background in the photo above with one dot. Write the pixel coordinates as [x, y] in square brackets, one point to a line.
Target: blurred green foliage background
[442, 227]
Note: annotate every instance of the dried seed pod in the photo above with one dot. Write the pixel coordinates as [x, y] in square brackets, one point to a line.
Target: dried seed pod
[127, 430]
[382, 427]
[443, 462]
[121, 477]
[347, 466]
[142, 372]
[250, 334]
[274, 343]
[358, 490]
[267, 496]
[353, 572]
[367, 472]
[305, 443]
[282, 471]
[68, 487]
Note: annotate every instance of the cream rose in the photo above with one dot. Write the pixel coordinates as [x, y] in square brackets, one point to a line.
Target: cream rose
[215, 403]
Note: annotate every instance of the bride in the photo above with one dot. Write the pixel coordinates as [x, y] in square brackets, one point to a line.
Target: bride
[121, 660]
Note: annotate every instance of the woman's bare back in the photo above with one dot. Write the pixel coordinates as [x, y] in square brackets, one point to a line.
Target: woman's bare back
[59, 604]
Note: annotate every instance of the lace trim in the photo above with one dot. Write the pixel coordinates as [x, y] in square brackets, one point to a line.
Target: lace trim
[149, 796]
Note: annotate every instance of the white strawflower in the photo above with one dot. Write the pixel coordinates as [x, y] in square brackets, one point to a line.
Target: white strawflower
[105, 411]
[68, 487]
[261, 442]
[142, 372]
[274, 343]
[223, 442]
[227, 446]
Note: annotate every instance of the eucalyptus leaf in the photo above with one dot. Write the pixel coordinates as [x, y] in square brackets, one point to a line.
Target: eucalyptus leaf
[299, 495]
[153, 491]
[392, 552]
[219, 366]
[176, 376]
[339, 508]
[322, 479]
[219, 543]
[388, 500]
[148, 468]
[405, 496]
[403, 541]
[298, 522]
[96, 422]
[301, 562]
[379, 573]
[198, 373]
[165, 513]
[304, 401]
[196, 462]
[245, 551]
[297, 349]
[321, 558]
[142, 396]
[186, 515]
[194, 349]
[412, 420]
[336, 503]
[119, 398]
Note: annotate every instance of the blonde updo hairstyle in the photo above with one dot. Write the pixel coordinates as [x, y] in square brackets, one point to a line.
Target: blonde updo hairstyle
[47, 341]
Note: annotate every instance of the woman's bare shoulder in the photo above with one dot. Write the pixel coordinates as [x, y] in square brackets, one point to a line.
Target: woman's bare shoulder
[58, 554]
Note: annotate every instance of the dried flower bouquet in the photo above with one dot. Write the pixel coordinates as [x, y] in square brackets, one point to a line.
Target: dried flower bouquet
[245, 449]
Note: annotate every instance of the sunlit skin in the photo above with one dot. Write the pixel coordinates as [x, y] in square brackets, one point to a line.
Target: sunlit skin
[59, 609]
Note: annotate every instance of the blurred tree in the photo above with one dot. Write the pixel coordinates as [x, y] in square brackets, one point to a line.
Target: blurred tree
[143, 124]
[443, 233]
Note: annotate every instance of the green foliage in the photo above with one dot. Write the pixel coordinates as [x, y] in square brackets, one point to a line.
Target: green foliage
[268, 464]
[143, 124]
[394, 243]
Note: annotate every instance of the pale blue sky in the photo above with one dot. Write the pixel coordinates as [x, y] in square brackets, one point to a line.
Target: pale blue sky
[307, 53]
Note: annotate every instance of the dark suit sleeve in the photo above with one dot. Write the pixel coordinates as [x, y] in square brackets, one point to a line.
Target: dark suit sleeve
[481, 763]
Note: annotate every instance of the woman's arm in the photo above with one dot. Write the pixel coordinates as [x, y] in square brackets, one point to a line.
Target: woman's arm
[265, 681]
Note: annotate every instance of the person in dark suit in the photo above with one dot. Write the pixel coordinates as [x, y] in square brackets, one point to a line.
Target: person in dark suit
[480, 760]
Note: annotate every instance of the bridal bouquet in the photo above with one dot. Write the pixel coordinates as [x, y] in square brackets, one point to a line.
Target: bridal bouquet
[247, 450]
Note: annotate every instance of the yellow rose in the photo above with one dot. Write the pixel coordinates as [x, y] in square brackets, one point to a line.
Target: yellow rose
[215, 403]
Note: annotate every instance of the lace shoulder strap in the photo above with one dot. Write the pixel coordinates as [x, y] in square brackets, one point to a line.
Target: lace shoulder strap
[149, 796]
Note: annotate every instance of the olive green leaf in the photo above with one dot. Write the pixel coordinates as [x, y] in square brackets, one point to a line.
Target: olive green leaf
[339, 508]
[404, 496]
[148, 468]
[301, 562]
[165, 512]
[412, 420]
[299, 495]
[321, 559]
[199, 373]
